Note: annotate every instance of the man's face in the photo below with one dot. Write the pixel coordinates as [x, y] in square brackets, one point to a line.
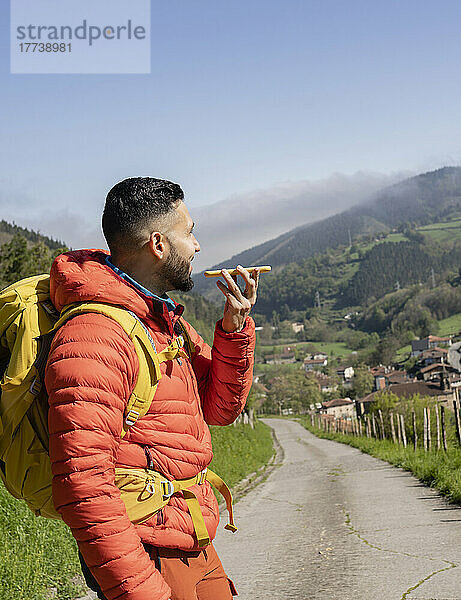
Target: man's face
[177, 268]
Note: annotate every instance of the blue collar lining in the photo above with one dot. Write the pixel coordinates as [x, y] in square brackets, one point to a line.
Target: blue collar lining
[171, 305]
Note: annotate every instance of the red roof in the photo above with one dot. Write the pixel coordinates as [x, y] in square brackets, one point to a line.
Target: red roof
[435, 338]
[337, 402]
[406, 390]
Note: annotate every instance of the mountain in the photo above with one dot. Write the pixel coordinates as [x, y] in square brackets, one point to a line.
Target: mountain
[419, 200]
[8, 230]
[231, 225]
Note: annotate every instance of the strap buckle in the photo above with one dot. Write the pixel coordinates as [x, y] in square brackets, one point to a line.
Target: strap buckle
[202, 476]
[150, 487]
[168, 489]
[35, 386]
[131, 417]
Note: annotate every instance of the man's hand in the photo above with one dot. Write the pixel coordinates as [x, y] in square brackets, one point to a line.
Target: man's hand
[238, 304]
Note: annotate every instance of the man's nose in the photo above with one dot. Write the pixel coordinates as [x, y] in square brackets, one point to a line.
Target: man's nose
[196, 245]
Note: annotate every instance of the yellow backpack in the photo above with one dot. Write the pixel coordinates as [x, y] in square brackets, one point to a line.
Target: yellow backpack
[28, 322]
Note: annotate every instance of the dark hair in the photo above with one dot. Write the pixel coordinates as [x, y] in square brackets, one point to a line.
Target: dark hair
[134, 203]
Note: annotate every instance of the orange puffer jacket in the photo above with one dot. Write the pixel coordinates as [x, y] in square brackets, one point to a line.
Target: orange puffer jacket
[91, 371]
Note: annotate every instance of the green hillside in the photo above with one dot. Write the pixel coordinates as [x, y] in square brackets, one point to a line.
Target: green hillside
[25, 253]
[9, 230]
[418, 201]
[396, 286]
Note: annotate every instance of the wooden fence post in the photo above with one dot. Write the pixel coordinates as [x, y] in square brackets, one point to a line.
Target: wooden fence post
[425, 429]
[429, 440]
[415, 432]
[360, 427]
[437, 423]
[399, 431]
[391, 419]
[458, 425]
[444, 430]
[381, 422]
[373, 421]
[404, 433]
[312, 420]
[368, 426]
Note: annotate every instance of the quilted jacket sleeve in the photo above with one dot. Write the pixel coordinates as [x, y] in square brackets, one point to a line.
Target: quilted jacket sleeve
[224, 372]
[91, 371]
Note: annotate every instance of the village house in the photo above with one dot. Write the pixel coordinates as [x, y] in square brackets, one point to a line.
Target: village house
[310, 364]
[340, 408]
[280, 359]
[385, 376]
[319, 356]
[327, 385]
[345, 373]
[398, 377]
[436, 371]
[433, 356]
[442, 391]
[427, 343]
[297, 327]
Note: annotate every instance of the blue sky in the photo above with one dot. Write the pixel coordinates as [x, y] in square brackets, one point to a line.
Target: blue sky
[242, 95]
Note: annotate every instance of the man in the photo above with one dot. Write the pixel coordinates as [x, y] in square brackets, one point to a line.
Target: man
[91, 371]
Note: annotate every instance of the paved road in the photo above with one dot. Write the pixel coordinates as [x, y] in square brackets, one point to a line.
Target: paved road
[332, 523]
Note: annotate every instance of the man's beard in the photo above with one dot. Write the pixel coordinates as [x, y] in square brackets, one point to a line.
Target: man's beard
[176, 272]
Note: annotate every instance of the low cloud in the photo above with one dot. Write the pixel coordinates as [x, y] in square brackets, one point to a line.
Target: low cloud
[224, 228]
[241, 222]
[74, 230]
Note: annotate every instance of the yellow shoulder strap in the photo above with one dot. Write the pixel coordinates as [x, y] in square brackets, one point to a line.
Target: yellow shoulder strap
[188, 344]
[149, 360]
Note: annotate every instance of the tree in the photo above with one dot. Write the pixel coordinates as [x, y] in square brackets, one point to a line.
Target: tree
[293, 390]
[363, 381]
[19, 259]
[14, 259]
[385, 350]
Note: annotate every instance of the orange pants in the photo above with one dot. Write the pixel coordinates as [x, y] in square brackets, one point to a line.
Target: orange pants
[194, 575]
[190, 575]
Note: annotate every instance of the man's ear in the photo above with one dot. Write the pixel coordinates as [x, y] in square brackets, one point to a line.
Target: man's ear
[157, 244]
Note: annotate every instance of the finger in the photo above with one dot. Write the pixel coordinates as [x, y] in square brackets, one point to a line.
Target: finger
[232, 286]
[235, 303]
[250, 282]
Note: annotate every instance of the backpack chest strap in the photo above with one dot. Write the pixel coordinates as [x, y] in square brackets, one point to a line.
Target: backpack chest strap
[145, 492]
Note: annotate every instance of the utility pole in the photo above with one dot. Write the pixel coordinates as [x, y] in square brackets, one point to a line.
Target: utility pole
[397, 286]
[350, 238]
[317, 300]
[432, 277]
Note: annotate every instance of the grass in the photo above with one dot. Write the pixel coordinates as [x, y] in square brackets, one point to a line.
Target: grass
[403, 353]
[262, 368]
[336, 349]
[36, 554]
[239, 451]
[450, 325]
[438, 469]
[452, 224]
[395, 238]
[443, 231]
[39, 554]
